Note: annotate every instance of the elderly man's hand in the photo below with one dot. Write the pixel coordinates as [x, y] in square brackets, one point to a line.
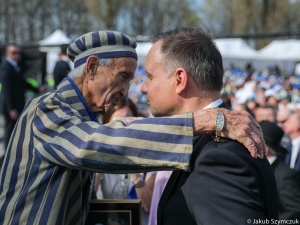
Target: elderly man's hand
[241, 126]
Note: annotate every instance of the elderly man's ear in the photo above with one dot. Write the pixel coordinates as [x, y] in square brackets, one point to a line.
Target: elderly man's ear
[181, 80]
[91, 65]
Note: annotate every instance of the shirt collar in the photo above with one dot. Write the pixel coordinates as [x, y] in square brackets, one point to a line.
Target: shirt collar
[272, 159]
[11, 61]
[214, 104]
[296, 141]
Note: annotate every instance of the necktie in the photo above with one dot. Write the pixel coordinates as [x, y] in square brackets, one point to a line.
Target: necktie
[17, 68]
[288, 155]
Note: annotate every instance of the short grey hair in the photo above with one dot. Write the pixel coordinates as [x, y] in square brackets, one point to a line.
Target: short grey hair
[77, 72]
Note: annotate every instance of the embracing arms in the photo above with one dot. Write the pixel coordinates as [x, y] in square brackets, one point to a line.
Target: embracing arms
[240, 126]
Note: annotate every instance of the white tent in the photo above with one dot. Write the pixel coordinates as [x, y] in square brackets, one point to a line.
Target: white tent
[284, 53]
[283, 50]
[142, 50]
[235, 51]
[56, 38]
[51, 45]
[235, 48]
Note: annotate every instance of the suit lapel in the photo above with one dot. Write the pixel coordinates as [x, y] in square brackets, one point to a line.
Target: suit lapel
[288, 156]
[297, 163]
[170, 187]
[275, 164]
[166, 194]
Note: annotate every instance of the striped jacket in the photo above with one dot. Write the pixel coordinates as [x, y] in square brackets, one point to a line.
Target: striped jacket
[55, 149]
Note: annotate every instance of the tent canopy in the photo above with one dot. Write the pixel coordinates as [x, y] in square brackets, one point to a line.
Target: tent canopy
[142, 50]
[235, 48]
[283, 53]
[285, 50]
[56, 38]
[51, 45]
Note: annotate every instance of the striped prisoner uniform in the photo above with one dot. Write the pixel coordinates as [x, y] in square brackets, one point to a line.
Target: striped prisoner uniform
[55, 149]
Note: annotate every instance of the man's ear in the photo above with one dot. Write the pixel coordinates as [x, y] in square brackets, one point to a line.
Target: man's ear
[181, 80]
[91, 65]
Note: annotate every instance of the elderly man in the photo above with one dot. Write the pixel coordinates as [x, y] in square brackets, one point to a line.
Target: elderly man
[225, 184]
[57, 144]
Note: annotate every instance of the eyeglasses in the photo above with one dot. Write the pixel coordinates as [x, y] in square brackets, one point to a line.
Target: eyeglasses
[15, 52]
[282, 121]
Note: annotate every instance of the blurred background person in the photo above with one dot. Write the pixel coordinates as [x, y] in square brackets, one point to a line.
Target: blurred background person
[14, 87]
[240, 107]
[252, 105]
[288, 180]
[265, 113]
[281, 116]
[247, 91]
[286, 101]
[273, 101]
[62, 66]
[261, 99]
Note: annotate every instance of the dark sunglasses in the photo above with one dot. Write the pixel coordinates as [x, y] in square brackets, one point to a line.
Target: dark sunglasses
[15, 53]
[282, 121]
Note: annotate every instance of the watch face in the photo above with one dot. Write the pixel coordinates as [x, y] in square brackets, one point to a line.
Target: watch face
[220, 121]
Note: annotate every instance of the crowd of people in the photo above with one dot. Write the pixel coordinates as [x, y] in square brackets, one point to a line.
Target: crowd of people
[85, 139]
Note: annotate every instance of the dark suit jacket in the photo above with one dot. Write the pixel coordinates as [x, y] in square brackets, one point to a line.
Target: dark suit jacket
[288, 187]
[13, 90]
[226, 186]
[61, 70]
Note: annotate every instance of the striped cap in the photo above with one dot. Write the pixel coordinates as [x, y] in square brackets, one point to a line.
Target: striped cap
[103, 44]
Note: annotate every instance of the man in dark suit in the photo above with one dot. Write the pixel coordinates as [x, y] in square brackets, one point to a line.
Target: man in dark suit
[292, 127]
[226, 185]
[14, 86]
[62, 67]
[288, 180]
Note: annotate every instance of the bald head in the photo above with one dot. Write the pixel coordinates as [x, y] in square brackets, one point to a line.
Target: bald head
[282, 115]
[292, 125]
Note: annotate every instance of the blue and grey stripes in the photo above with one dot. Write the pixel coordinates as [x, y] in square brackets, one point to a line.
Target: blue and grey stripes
[55, 150]
[103, 44]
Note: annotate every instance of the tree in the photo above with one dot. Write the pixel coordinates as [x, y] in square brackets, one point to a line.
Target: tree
[105, 12]
[149, 17]
[251, 16]
[33, 20]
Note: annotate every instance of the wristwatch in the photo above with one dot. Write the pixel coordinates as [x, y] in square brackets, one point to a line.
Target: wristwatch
[220, 120]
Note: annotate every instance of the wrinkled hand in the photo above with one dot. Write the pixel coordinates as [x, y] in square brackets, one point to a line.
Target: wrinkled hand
[241, 126]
